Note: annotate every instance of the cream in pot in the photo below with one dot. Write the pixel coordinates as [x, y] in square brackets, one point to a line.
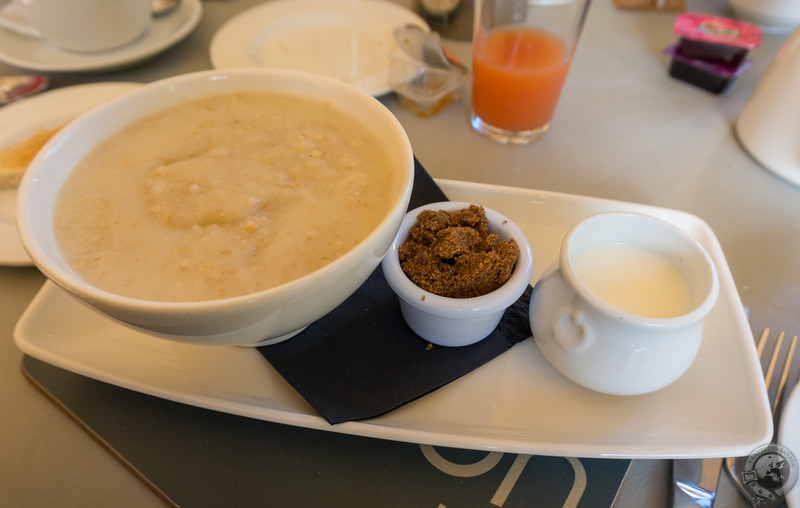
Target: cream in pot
[635, 280]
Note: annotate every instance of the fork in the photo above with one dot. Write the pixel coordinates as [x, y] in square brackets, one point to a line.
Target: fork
[779, 384]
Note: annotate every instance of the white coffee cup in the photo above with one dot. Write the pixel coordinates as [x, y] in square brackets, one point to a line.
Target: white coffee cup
[623, 312]
[80, 25]
[769, 124]
[779, 16]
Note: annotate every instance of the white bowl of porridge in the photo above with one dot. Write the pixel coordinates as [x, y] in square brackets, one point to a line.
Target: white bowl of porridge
[229, 207]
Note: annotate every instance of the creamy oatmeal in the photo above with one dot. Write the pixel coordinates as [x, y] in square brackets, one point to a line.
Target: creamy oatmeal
[223, 196]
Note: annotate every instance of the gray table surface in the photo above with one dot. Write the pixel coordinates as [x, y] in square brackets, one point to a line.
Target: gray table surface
[623, 130]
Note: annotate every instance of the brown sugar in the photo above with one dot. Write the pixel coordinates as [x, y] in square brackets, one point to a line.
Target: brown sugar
[453, 254]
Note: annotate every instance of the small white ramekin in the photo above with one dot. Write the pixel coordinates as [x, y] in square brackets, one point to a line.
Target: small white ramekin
[457, 321]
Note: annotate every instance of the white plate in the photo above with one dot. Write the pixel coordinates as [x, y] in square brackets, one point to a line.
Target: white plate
[515, 403]
[20, 120]
[789, 436]
[350, 40]
[36, 54]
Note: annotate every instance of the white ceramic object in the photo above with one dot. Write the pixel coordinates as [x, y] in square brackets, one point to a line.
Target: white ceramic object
[349, 40]
[37, 54]
[769, 124]
[81, 25]
[265, 317]
[771, 15]
[607, 349]
[498, 407]
[457, 322]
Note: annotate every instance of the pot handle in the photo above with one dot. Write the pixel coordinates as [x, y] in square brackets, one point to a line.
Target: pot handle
[572, 330]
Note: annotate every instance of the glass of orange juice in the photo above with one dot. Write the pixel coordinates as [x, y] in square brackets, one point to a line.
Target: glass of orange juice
[522, 51]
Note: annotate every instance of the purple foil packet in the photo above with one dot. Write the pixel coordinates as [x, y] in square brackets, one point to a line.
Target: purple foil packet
[711, 76]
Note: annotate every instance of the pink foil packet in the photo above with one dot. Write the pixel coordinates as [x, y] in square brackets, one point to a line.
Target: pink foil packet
[715, 39]
[717, 30]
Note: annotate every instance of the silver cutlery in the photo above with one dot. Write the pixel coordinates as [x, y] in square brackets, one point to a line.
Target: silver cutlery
[427, 47]
[780, 377]
[694, 482]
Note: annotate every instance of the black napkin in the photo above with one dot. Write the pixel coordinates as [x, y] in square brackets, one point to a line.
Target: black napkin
[362, 360]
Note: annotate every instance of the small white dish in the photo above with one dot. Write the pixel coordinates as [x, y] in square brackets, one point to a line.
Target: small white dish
[349, 40]
[789, 436]
[21, 120]
[455, 322]
[33, 53]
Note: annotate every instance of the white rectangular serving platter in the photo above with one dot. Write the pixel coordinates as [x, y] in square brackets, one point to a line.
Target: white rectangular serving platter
[515, 403]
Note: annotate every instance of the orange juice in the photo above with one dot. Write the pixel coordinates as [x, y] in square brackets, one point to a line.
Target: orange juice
[518, 73]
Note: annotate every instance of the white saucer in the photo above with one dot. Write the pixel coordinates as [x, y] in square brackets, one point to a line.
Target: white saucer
[350, 40]
[21, 120]
[33, 53]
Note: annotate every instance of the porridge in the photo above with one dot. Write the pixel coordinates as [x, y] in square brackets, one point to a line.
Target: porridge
[223, 196]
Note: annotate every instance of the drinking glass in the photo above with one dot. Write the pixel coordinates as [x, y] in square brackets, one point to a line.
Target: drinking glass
[522, 51]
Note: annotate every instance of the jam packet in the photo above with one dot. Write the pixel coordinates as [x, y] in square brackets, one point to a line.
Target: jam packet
[710, 76]
[715, 39]
[711, 50]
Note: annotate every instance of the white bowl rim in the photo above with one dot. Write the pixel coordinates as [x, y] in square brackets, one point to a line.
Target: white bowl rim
[45, 261]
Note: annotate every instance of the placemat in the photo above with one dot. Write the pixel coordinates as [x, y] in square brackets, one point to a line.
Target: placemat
[194, 457]
[362, 360]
